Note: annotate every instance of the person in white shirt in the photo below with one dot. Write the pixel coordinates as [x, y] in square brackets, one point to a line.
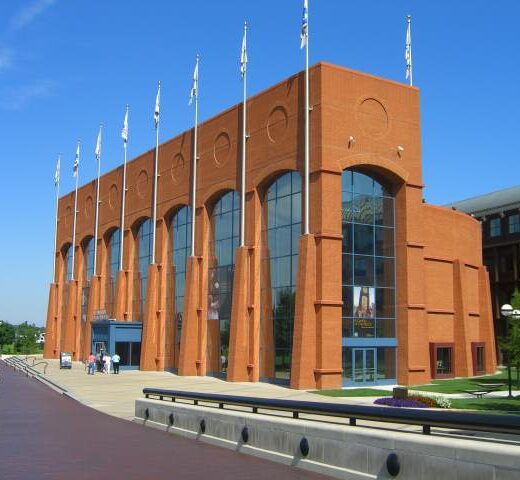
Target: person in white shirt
[106, 362]
[115, 362]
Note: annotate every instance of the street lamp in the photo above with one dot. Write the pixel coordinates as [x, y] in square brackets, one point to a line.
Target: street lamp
[508, 312]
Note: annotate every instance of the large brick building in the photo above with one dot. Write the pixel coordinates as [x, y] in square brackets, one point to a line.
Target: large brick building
[384, 289]
[499, 214]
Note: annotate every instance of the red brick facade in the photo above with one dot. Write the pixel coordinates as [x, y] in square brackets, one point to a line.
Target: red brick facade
[357, 120]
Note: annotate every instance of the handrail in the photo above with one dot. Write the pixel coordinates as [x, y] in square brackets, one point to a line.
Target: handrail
[509, 424]
[45, 365]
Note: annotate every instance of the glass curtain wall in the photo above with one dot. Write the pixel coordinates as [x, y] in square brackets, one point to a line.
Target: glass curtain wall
[144, 258]
[281, 231]
[88, 258]
[181, 249]
[224, 239]
[368, 279]
[68, 264]
[113, 247]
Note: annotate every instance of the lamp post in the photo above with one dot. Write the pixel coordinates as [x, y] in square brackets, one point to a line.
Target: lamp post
[508, 312]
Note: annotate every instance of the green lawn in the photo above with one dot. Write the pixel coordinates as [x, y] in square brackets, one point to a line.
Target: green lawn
[458, 385]
[454, 385]
[489, 405]
[354, 392]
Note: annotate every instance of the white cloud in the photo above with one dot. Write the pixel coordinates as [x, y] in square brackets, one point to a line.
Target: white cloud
[27, 14]
[18, 97]
[6, 58]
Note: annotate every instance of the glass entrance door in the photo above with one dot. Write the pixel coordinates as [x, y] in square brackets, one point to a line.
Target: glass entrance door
[364, 365]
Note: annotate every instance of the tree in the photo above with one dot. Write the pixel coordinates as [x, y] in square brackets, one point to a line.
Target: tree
[26, 338]
[511, 343]
[7, 334]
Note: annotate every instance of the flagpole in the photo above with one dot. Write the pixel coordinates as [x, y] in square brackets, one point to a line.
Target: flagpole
[410, 66]
[56, 222]
[75, 214]
[194, 184]
[155, 168]
[307, 108]
[123, 199]
[98, 160]
[244, 140]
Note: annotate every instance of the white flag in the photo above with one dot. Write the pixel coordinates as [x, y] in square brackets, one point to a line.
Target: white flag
[57, 172]
[408, 50]
[98, 145]
[243, 55]
[157, 105]
[304, 35]
[76, 163]
[195, 87]
[124, 131]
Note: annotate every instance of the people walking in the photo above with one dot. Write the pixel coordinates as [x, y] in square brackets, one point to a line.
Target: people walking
[91, 363]
[115, 362]
[106, 363]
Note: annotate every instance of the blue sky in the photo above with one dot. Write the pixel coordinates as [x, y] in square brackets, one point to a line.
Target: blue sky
[67, 65]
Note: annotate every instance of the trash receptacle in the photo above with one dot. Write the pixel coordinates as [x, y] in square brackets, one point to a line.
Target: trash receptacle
[65, 360]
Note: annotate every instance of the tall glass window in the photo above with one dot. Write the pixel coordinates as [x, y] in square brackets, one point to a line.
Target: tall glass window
[113, 249]
[495, 228]
[144, 241]
[68, 263]
[181, 242]
[225, 228]
[368, 279]
[89, 259]
[114, 245]
[514, 223]
[280, 236]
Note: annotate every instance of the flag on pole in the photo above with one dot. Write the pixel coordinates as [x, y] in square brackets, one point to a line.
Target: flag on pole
[195, 87]
[157, 105]
[304, 35]
[57, 172]
[243, 55]
[76, 163]
[98, 145]
[408, 49]
[124, 131]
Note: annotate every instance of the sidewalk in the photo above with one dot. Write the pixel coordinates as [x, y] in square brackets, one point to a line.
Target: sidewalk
[116, 394]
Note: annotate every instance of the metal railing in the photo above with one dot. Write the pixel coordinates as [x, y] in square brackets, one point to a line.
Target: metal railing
[506, 424]
[19, 364]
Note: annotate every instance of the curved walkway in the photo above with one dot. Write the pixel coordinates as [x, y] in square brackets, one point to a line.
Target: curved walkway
[45, 435]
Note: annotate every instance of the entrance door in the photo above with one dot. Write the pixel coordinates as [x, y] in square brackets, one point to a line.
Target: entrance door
[364, 365]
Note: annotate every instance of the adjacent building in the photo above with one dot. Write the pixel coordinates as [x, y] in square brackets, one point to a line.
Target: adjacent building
[499, 214]
[384, 289]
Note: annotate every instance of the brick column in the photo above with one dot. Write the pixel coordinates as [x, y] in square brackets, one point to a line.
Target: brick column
[94, 302]
[52, 334]
[462, 361]
[487, 332]
[192, 358]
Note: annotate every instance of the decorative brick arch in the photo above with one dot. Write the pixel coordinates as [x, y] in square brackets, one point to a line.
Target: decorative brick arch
[372, 163]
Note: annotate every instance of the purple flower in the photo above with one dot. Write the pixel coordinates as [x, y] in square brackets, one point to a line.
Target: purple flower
[396, 402]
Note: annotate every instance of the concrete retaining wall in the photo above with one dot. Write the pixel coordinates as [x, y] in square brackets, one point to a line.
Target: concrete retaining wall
[344, 452]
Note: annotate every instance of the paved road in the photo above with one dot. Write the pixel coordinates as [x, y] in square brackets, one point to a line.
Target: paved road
[44, 435]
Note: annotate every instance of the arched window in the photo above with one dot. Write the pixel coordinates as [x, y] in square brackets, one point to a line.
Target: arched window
[281, 231]
[144, 258]
[368, 280]
[225, 227]
[68, 263]
[181, 249]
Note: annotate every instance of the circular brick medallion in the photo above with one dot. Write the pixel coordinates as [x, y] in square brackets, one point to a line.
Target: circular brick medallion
[113, 197]
[372, 117]
[222, 149]
[177, 167]
[277, 124]
[89, 207]
[142, 183]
